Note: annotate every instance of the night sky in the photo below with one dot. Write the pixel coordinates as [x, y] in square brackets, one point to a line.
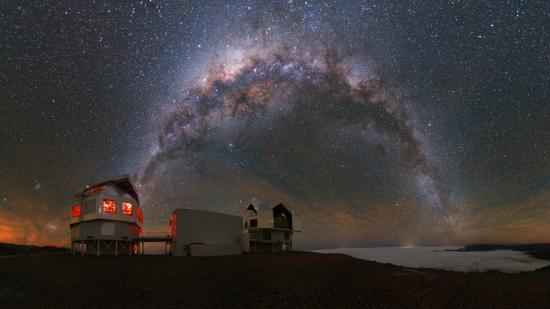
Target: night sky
[379, 122]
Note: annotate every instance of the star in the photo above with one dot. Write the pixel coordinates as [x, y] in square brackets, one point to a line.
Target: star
[336, 108]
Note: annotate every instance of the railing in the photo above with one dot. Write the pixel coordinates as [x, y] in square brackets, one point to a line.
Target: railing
[153, 234]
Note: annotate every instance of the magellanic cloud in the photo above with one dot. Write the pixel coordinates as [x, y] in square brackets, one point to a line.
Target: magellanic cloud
[28, 220]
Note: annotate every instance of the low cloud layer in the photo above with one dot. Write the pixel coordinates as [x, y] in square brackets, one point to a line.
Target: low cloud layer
[507, 261]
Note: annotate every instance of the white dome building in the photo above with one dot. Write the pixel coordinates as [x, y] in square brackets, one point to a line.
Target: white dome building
[106, 219]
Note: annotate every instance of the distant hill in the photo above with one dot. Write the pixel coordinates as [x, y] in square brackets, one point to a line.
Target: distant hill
[540, 251]
[14, 249]
[491, 247]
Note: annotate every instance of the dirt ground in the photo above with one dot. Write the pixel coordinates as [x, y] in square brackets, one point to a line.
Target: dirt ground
[299, 280]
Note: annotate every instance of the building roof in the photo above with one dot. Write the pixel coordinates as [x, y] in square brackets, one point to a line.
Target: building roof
[203, 211]
[257, 207]
[122, 181]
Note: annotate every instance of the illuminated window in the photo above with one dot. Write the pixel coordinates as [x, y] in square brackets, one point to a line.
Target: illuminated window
[75, 210]
[127, 208]
[109, 206]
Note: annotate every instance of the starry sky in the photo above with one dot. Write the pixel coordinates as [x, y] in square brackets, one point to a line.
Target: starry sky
[380, 123]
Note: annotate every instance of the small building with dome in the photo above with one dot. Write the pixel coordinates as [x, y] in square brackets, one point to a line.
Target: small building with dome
[268, 229]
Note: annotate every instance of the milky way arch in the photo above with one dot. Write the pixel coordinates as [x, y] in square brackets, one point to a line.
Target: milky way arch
[284, 120]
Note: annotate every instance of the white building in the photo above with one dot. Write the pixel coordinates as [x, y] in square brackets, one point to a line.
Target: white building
[204, 233]
[106, 219]
[269, 229]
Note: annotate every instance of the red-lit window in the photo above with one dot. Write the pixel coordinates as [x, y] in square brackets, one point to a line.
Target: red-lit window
[139, 215]
[127, 208]
[109, 206]
[75, 210]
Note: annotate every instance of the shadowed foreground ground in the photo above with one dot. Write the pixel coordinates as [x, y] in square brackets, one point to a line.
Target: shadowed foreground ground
[298, 280]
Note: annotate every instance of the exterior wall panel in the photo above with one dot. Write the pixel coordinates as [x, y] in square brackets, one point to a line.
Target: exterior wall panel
[96, 229]
[204, 227]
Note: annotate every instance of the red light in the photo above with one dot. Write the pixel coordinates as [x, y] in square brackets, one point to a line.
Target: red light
[75, 210]
[109, 206]
[172, 225]
[127, 208]
[139, 215]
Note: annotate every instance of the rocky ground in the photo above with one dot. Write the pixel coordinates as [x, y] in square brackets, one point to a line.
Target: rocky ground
[300, 280]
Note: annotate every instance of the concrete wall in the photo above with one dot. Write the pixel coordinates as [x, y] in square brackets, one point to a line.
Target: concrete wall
[194, 226]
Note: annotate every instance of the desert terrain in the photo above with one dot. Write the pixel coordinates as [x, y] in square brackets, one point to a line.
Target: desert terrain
[298, 280]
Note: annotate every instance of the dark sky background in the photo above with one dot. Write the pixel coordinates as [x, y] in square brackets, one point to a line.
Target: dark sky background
[378, 122]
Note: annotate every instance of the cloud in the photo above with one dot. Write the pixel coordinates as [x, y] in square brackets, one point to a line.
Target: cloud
[438, 257]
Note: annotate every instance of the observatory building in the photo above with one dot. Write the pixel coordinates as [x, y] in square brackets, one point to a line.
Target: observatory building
[204, 233]
[106, 219]
[268, 229]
